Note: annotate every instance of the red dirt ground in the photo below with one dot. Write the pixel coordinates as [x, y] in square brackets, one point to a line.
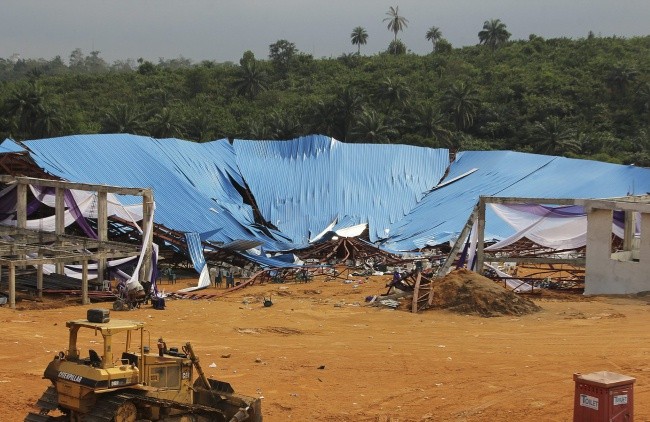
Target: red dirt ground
[378, 364]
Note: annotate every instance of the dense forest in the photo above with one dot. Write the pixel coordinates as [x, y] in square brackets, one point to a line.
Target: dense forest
[586, 98]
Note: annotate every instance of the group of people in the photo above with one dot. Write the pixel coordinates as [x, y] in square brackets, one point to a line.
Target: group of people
[217, 275]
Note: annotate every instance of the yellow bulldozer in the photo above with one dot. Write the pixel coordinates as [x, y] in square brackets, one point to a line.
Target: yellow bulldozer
[134, 383]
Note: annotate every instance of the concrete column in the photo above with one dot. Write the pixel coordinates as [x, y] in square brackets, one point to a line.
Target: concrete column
[59, 220]
[102, 233]
[21, 206]
[628, 235]
[147, 209]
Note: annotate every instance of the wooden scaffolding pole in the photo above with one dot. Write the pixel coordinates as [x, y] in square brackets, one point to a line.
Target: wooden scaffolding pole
[454, 250]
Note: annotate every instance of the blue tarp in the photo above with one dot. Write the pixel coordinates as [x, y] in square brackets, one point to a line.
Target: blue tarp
[304, 185]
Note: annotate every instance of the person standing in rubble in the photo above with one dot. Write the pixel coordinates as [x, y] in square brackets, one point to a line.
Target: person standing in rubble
[396, 282]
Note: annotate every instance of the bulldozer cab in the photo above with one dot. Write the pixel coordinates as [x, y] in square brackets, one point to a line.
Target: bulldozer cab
[107, 353]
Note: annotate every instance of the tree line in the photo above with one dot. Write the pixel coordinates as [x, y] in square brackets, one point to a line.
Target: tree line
[586, 97]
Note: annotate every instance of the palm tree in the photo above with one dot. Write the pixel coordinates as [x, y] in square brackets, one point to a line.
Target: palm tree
[164, 124]
[396, 23]
[395, 91]
[24, 107]
[494, 34]
[48, 124]
[372, 127]
[123, 119]
[620, 78]
[251, 80]
[553, 136]
[434, 35]
[433, 124]
[359, 37]
[348, 104]
[462, 102]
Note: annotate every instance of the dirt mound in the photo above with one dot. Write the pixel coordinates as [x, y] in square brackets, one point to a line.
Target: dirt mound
[467, 292]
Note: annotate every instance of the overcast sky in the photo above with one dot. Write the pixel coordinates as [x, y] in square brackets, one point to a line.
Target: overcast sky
[223, 30]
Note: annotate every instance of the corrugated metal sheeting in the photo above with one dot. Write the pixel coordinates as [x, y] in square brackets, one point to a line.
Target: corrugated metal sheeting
[439, 217]
[304, 185]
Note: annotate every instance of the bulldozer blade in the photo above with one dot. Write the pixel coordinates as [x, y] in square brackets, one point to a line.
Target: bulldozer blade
[34, 417]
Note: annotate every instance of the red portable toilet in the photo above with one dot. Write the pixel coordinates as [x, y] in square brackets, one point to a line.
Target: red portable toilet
[603, 396]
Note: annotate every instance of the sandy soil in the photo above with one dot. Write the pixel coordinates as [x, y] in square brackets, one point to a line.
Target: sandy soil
[319, 353]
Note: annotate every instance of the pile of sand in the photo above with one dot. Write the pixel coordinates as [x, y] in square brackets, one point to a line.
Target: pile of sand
[467, 292]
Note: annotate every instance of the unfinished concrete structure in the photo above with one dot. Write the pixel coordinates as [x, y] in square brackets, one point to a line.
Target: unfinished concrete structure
[608, 271]
[23, 247]
[619, 272]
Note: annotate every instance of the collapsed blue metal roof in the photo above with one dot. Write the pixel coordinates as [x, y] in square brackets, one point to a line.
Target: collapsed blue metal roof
[306, 185]
[440, 216]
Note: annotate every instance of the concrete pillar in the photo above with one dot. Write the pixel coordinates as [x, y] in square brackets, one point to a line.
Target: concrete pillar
[102, 233]
[628, 235]
[59, 220]
[147, 209]
[21, 206]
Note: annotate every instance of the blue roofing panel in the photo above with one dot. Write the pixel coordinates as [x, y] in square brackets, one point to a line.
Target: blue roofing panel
[9, 145]
[191, 181]
[302, 186]
[441, 215]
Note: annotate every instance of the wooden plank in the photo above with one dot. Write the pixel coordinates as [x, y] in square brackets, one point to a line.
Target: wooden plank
[416, 293]
[537, 260]
[74, 185]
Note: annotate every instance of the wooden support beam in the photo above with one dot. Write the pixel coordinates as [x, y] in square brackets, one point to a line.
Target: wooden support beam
[416, 293]
[480, 242]
[12, 286]
[74, 185]
[39, 278]
[536, 260]
[454, 250]
[85, 300]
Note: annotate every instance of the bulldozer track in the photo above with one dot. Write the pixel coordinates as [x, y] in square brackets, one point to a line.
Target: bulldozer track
[108, 405]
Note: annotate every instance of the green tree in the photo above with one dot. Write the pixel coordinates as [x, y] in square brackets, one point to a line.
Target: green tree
[396, 48]
[494, 34]
[432, 124]
[28, 113]
[49, 123]
[620, 78]
[359, 37]
[349, 105]
[165, 124]
[394, 90]
[553, 136]
[372, 127]
[461, 102]
[281, 53]
[123, 118]
[396, 23]
[434, 35]
[251, 80]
